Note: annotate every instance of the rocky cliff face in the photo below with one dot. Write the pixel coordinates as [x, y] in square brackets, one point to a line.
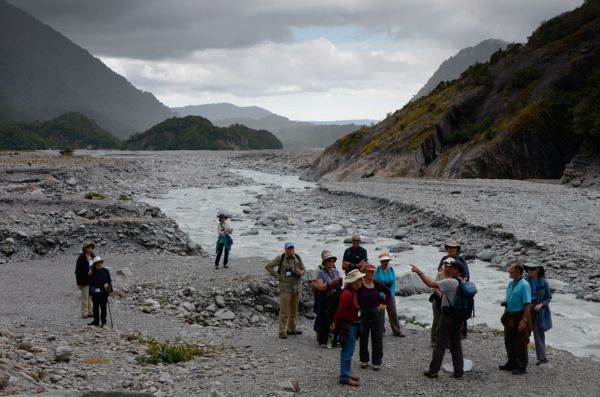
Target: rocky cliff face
[503, 119]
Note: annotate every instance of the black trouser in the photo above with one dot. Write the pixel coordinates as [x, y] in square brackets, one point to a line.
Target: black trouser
[99, 308]
[326, 321]
[448, 330]
[372, 321]
[219, 252]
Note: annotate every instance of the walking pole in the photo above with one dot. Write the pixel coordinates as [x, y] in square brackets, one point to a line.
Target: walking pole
[109, 313]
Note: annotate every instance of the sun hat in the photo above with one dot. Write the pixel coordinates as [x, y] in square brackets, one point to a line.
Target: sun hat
[534, 263]
[220, 216]
[96, 260]
[353, 276]
[452, 243]
[385, 258]
[289, 244]
[87, 244]
[368, 268]
[328, 255]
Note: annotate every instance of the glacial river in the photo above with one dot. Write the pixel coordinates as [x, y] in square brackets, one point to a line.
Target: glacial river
[576, 322]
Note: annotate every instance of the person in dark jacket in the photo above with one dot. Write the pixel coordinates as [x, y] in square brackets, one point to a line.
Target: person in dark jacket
[453, 248]
[82, 268]
[540, 311]
[99, 290]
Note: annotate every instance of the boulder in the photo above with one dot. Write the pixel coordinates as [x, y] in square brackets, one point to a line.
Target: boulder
[63, 353]
[400, 233]
[411, 284]
[401, 247]
[10, 240]
[220, 301]
[487, 256]
[271, 301]
[125, 272]
[225, 314]
[251, 232]
[556, 285]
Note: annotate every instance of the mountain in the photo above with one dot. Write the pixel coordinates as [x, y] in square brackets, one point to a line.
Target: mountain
[216, 111]
[345, 122]
[43, 74]
[198, 133]
[524, 114]
[452, 67]
[69, 129]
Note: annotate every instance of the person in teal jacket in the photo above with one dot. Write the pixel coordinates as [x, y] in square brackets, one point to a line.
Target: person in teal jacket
[540, 311]
[223, 241]
[385, 274]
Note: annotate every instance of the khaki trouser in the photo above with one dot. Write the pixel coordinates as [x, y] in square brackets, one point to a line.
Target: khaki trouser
[393, 315]
[87, 308]
[288, 308]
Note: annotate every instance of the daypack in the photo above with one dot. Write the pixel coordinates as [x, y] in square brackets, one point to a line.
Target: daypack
[334, 302]
[464, 304]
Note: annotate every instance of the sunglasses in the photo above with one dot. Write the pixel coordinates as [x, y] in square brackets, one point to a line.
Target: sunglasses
[530, 269]
[330, 260]
[356, 241]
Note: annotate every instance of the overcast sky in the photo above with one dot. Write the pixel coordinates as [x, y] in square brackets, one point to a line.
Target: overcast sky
[303, 59]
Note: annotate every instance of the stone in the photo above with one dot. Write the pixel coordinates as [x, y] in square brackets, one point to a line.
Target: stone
[400, 233]
[10, 240]
[25, 345]
[165, 377]
[401, 247]
[270, 301]
[189, 306]
[225, 314]
[214, 393]
[487, 256]
[71, 181]
[125, 272]
[251, 232]
[571, 265]
[63, 353]
[410, 284]
[151, 302]
[211, 308]
[22, 233]
[556, 285]
[4, 378]
[90, 214]
[220, 301]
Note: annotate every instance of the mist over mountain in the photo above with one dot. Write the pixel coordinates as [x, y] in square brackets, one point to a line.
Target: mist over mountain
[43, 74]
[452, 67]
[216, 111]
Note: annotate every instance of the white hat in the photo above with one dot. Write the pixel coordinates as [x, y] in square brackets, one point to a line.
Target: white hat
[353, 276]
[96, 260]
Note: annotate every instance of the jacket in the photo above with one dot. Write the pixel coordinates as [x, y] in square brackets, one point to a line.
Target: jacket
[81, 270]
[543, 296]
[290, 283]
[99, 278]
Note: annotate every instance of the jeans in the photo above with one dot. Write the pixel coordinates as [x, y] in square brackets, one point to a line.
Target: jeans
[100, 308]
[448, 330]
[288, 309]
[538, 336]
[346, 355]
[219, 252]
[372, 321]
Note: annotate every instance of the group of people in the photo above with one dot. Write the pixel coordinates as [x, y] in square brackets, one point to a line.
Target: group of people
[353, 308]
[95, 284]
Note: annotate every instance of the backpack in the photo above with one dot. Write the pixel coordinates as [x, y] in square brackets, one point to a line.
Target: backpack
[334, 302]
[464, 304]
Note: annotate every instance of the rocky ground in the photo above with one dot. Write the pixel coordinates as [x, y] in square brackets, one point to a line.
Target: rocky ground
[170, 291]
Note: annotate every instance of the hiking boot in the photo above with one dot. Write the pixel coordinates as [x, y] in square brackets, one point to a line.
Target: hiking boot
[519, 371]
[400, 334]
[282, 336]
[296, 332]
[544, 361]
[355, 377]
[364, 364]
[93, 323]
[505, 367]
[430, 374]
[350, 382]
[459, 377]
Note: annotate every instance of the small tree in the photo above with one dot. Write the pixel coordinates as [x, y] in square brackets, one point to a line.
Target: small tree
[68, 151]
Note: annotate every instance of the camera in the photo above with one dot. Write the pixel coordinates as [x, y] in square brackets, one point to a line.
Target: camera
[503, 303]
[389, 285]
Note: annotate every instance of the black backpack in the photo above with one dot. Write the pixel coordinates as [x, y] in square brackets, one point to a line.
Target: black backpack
[463, 307]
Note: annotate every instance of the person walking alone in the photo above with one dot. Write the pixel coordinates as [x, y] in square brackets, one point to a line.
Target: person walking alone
[223, 241]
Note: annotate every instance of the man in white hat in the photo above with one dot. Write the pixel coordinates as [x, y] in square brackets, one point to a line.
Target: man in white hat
[289, 273]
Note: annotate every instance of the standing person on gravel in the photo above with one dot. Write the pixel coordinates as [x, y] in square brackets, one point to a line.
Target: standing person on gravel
[347, 323]
[540, 315]
[289, 273]
[355, 257]
[328, 280]
[448, 329]
[386, 275]
[516, 321]
[223, 241]
[453, 248]
[82, 268]
[314, 286]
[100, 288]
[372, 311]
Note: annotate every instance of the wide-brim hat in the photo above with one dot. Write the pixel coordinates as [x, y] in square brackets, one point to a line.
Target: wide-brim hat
[88, 244]
[353, 276]
[452, 243]
[97, 260]
[534, 263]
[328, 255]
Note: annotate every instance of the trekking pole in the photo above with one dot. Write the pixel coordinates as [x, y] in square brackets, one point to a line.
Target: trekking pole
[109, 313]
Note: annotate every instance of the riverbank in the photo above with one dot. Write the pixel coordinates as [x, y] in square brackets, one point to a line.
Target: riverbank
[169, 294]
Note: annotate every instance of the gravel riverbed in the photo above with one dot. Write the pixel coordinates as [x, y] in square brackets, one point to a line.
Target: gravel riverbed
[170, 290]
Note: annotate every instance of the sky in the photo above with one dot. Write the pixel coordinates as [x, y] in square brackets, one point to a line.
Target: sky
[314, 60]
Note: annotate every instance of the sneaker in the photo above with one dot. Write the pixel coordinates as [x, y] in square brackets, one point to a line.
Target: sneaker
[505, 367]
[519, 371]
[544, 361]
[459, 377]
[430, 374]
[226, 267]
[103, 325]
[400, 334]
[364, 364]
[376, 367]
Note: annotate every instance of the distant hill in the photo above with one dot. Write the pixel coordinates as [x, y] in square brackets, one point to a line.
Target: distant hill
[215, 111]
[346, 122]
[69, 129]
[198, 133]
[452, 67]
[294, 134]
[43, 74]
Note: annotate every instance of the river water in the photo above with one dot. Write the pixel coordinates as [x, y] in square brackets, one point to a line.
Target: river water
[576, 322]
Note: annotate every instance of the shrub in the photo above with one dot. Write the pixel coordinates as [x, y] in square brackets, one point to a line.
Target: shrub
[68, 151]
[413, 321]
[522, 78]
[123, 197]
[93, 195]
[479, 74]
[170, 353]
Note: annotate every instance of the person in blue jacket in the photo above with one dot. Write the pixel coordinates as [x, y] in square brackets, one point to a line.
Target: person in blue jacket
[385, 274]
[100, 288]
[453, 248]
[540, 311]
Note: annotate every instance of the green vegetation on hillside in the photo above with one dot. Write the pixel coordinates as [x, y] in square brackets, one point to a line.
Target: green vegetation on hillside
[67, 130]
[197, 133]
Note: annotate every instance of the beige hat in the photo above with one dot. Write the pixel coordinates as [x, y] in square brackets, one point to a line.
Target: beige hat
[452, 243]
[385, 258]
[328, 255]
[96, 260]
[353, 276]
[88, 244]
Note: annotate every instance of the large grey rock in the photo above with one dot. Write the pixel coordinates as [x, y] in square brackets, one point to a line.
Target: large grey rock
[401, 247]
[63, 353]
[411, 284]
[220, 301]
[225, 314]
[400, 233]
[556, 285]
[487, 256]
[10, 240]
[251, 232]
[125, 272]
[271, 301]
